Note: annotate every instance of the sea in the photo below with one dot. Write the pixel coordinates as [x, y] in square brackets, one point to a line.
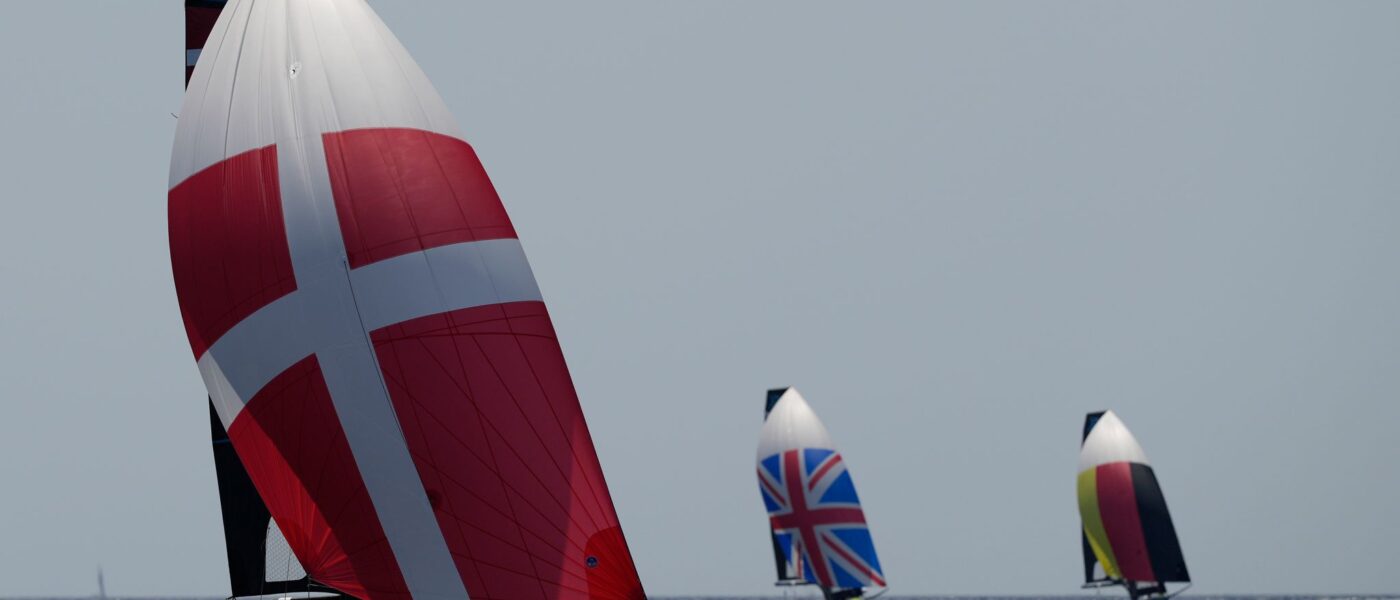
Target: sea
[1105, 596]
[814, 595]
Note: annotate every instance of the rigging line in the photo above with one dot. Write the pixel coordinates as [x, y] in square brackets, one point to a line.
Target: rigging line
[292, 93]
[287, 563]
[369, 343]
[1175, 594]
[262, 581]
[344, 260]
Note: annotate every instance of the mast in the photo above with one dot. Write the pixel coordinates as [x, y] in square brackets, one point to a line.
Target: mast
[200, 16]
[259, 562]
[1126, 530]
[786, 561]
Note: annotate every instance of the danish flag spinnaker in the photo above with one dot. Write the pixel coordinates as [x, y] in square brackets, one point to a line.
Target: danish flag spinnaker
[367, 326]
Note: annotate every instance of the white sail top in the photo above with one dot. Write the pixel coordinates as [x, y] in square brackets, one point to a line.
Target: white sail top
[279, 71]
[790, 425]
[1110, 442]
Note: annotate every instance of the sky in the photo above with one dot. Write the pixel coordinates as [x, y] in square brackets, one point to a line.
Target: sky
[955, 227]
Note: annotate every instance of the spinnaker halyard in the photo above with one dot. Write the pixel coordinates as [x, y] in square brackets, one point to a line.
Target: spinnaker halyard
[368, 328]
[1127, 535]
[817, 526]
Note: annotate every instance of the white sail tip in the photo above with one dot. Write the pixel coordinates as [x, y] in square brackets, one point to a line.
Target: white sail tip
[791, 424]
[1109, 442]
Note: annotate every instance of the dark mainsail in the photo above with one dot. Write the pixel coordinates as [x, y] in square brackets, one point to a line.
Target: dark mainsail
[1163, 547]
[258, 563]
[1090, 561]
[782, 562]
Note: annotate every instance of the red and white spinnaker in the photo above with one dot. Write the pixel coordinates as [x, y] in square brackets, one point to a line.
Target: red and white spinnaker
[368, 327]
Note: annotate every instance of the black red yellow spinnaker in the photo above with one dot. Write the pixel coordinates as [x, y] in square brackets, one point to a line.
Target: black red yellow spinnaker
[1128, 535]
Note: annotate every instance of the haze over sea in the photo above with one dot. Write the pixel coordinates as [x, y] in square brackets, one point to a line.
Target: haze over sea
[804, 593]
[812, 593]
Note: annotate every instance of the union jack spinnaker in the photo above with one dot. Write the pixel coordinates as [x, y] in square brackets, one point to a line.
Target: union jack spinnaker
[367, 326]
[818, 529]
[1128, 538]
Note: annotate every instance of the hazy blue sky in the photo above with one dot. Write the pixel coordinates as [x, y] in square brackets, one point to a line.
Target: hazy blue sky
[955, 227]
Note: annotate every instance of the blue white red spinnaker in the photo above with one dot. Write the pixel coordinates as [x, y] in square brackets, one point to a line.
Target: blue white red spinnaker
[820, 535]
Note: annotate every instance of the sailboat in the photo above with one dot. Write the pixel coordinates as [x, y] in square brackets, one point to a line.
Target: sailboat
[1127, 535]
[390, 409]
[816, 523]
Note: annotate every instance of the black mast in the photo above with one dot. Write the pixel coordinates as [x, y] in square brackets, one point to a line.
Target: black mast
[780, 561]
[1090, 559]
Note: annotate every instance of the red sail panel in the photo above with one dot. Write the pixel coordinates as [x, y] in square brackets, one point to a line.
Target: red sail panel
[483, 394]
[490, 413]
[289, 440]
[404, 190]
[1118, 507]
[228, 247]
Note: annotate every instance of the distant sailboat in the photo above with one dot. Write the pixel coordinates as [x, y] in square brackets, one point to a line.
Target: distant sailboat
[391, 414]
[817, 526]
[1127, 534]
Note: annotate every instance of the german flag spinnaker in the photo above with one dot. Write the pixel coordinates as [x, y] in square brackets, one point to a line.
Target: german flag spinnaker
[1128, 537]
